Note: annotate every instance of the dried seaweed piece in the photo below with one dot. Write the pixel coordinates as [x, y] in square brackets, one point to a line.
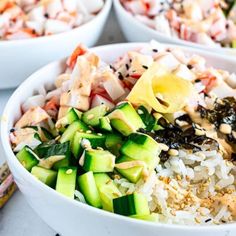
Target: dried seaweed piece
[223, 112]
[177, 138]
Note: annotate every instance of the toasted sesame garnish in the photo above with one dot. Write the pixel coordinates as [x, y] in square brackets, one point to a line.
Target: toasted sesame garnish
[173, 212]
[140, 112]
[99, 134]
[187, 178]
[164, 147]
[173, 152]
[116, 177]
[178, 177]
[88, 132]
[58, 137]
[90, 116]
[69, 171]
[200, 132]
[225, 128]
[217, 187]
[197, 220]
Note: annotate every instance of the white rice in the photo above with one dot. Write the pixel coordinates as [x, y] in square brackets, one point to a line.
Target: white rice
[194, 170]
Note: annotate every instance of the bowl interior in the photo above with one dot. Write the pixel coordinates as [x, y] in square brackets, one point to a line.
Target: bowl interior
[46, 76]
[163, 38]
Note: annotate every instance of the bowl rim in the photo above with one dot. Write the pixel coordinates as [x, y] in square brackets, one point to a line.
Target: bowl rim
[10, 156]
[119, 7]
[44, 38]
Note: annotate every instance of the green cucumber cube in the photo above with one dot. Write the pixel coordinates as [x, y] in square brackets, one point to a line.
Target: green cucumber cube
[130, 205]
[125, 119]
[66, 181]
[27, 158]
[98, 161]
[88, 188]
[92, 116]
[46, 176]
[132, 174]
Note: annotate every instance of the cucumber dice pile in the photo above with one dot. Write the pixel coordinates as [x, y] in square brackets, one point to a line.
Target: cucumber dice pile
[87, 151]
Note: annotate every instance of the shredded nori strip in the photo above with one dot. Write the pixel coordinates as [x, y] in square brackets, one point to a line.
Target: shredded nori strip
[223, 112]
[177, 138]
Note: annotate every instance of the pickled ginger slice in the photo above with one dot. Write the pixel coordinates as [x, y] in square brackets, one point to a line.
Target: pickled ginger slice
[161, 90]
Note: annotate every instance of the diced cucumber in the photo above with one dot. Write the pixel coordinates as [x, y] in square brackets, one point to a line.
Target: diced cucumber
[27, 158]
[49, 150]
[62, 163]
[66, 181]
[98, 161]
[132, 174]
[88, 188]
[129, 205]
[71, 130]
[104, 124]
[71, 116]
[152, 217]
[46, 176]
[92, 116]
[142, 147]
[94, 139]
[125, 119]
[147, 118]
[113, 143]
[107, 190]
[146, 142]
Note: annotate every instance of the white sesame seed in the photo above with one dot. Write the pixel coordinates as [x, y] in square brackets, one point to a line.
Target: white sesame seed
[225, 128]
[88, 131]
[99, 134]
[90, 116]
[173, 152]
[199, 132]
[140, 112]
[69, 171]
[164, 147]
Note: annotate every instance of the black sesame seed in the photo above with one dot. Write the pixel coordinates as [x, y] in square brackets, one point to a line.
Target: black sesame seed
[46, 15]
[12, 130]
[197, 80]
[130, 60]
[120, 76]
[145, 67]
[207, 220]
[127, 75]
[227, 26]
[127, 66]
[57, 235]
[154, 50]
[112, 67]
[190, 66]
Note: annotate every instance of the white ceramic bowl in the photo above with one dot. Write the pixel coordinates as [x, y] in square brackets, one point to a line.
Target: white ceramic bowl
[20, 58]
[135, 31]
[69, 217]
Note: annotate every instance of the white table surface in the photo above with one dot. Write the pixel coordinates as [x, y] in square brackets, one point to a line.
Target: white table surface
[16, 217]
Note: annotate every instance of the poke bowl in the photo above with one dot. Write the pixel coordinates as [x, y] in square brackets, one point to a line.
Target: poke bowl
[34, 33]
[96, 145]
[177, 22]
